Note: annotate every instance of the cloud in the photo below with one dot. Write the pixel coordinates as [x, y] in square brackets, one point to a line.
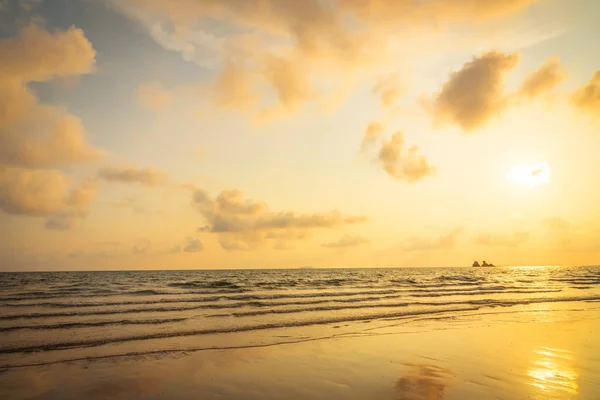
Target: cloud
[290, 82]
[544, 79]
[146, 176]
[503, 240]
[372, 133]
[141, 246]
[425, 244]
[153, 96]
[193, 245]
[570, 237]
[245, 224]
[587, 98]
[131, 203]
[115, 249]
[346, 241]
[474, 94]
[557, 224]
[172, 250]
[266, 87]
[389, 90]
[235, 87]
[46, 193]
[39, 55]
[561, 231]
[76, 206]
[411, 11]
[232, 202]
[32, 192]
[201, 153]
[58, 223]
[410, 166]
[34, 134]
[292, 53]
[29, 4]
[35, 137]
[287, 235]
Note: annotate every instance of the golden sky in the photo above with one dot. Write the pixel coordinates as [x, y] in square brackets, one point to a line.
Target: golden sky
[231, 134]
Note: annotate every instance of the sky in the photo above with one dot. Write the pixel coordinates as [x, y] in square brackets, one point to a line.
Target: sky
[226, 134]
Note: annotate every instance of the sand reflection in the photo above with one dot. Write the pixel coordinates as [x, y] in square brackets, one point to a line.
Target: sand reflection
[552, 371]
[424, 382]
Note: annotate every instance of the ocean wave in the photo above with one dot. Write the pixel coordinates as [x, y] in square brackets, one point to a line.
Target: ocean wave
[251, 303]
[146, 292]
[486, 292]
[404, 281]
[143, 292]
[472, 306]
[579, 281]
[213, 284]
[439, 285]
[460, 278]
[166, 335]
[95, 313]
[255, 297]
[71, 325]
[488, 302]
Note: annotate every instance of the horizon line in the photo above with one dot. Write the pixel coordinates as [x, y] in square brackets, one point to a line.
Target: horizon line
[301, 268]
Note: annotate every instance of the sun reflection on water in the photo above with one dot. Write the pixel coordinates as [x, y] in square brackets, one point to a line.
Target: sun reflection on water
[552, 371]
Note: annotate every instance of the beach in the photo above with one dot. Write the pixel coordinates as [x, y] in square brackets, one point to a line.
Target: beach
[534, 344]
[299, 200]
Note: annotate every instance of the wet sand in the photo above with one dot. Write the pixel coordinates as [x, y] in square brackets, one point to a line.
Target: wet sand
[536, 351]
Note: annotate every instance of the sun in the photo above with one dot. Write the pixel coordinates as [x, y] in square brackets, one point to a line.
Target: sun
[530, 175]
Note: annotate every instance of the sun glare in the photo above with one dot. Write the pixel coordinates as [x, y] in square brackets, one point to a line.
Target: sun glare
[530, 175]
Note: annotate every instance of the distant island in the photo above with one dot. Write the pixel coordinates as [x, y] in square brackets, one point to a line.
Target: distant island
[483, 264]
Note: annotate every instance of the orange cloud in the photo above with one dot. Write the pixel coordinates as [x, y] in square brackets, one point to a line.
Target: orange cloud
[474, 94]
[415, 11]
[59, 223]
[32, 192]
[39, 55]
[193, 245]
[294, 52]
[245, 224]
[389, 90]
[235, 87]
[372, 133]
[33, 134]
[346, 241]
[587, 98]
[544, 79]
[146, 176]
[557, 224]
[443, 242]
[45, 193]
[503, 240]
[571, 237]
[76, 206]
[289, 80]
[409, 167]
[131, 203]
[153, 96]
[232, 201]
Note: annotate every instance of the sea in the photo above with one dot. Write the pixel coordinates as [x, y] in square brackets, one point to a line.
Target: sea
[58, 317]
